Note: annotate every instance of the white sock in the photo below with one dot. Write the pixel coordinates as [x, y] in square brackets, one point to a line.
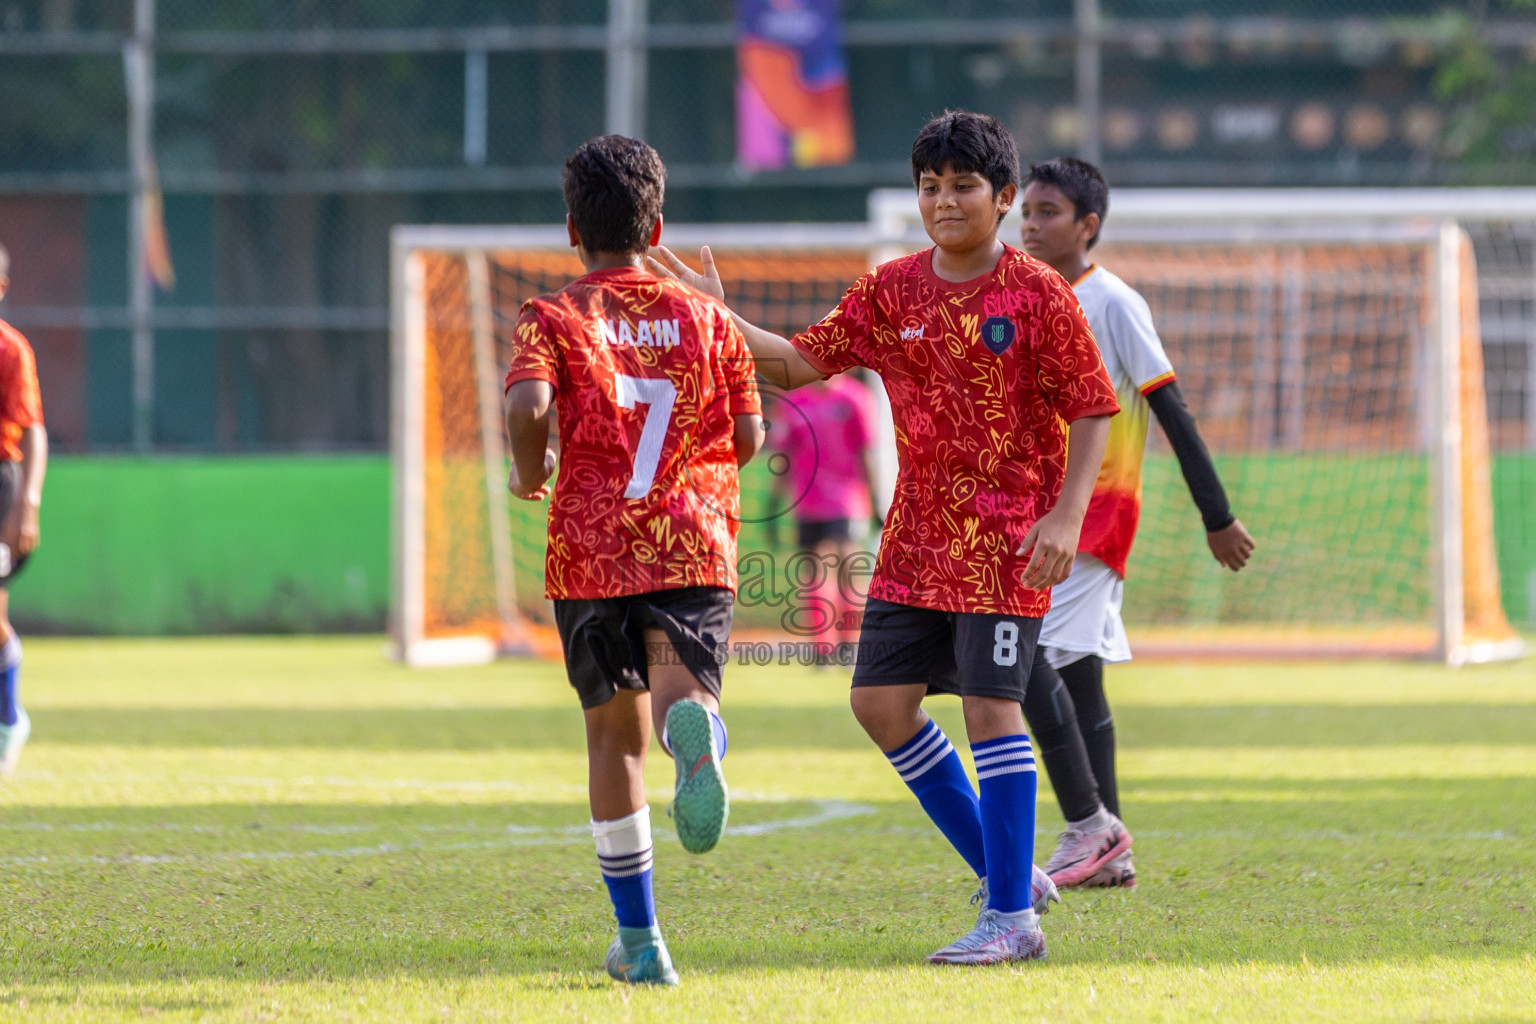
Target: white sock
[10, 654]
[1098, 821]
[1025, 919]
[624, 836]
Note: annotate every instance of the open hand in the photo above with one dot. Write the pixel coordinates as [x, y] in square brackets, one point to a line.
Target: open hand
[664, 261]
[1054, 540]
[541, 491]
[1231, 546]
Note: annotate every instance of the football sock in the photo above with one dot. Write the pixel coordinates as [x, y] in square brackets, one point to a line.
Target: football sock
[1026, 918]
[1005, 767]
[10, 677]
[1098, 821]
[1052, 720]
[716, 726]
[1085, 682]
[931, 768]
[722, 738]
[636, 939]
[625, 855]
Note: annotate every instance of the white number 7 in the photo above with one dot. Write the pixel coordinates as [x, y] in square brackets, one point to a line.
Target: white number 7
[659, 394]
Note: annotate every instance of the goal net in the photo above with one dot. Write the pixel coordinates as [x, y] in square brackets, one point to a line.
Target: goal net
[1335, 370]
[468, 559]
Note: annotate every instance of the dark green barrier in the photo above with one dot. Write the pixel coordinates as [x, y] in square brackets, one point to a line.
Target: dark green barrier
[210, 545]
[1514, 525]
[1353, 529]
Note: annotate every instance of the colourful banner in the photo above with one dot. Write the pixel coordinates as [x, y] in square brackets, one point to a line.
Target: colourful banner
[157, 244]
[792, 105]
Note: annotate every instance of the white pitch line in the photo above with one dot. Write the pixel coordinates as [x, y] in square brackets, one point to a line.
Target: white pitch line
[827, 811]
[301, 781]
[1497, 835]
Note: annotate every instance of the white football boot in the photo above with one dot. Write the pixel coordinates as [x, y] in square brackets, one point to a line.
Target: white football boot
[996, 939]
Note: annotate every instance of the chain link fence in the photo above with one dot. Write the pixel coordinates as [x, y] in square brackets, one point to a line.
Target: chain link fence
[290, 134]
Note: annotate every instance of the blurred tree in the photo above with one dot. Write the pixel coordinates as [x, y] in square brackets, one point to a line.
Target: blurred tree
[1494, 121]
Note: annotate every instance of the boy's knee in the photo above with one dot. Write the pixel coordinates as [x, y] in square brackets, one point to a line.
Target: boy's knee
[1105, 724]
[615, 743]
[1048, 705]
[615, 729]
[890, 723]
[866, 706]
[992, 716]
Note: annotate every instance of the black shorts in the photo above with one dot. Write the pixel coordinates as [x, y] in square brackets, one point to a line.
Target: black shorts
[10, 490]
[813, 532]
[972, 654]
[604, 638]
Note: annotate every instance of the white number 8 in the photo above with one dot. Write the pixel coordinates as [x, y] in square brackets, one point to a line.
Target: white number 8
[1005, 651]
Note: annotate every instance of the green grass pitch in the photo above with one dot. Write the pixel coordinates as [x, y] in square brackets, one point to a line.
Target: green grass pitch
[295, 829]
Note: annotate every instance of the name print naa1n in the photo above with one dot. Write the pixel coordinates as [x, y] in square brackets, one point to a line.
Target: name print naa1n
[643, 334]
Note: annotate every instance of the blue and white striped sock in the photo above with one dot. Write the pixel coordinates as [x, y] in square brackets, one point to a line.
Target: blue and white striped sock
[931, 768]
[1005, 768]
[10, 680]
[625, 854]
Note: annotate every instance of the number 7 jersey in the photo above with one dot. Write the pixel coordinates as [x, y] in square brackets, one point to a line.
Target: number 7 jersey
[648, 377]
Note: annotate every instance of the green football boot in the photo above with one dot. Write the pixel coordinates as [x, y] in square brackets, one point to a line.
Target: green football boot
[639, 957]
[701, 805]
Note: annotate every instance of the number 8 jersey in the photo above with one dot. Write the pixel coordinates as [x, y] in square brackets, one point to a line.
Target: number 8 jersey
[648, 375]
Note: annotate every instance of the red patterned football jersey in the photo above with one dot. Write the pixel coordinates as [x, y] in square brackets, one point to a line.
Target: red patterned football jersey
[21, 403]
[648, 374]
[983, 377]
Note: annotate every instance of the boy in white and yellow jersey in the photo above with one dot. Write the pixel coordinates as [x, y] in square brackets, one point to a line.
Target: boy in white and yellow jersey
[1064, 203]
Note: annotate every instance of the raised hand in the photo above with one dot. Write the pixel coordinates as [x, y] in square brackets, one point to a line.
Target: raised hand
[664, 261]
[1231, 546]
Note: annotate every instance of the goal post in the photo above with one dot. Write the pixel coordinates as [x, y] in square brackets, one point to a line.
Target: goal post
[1329, 342]
[468, 564]
[1334, 365]
[434, 451]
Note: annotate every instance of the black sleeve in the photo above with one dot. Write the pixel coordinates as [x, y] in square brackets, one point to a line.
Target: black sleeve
[1168, 406]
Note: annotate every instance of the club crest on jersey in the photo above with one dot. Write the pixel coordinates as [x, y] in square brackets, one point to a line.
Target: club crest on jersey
[997, 334]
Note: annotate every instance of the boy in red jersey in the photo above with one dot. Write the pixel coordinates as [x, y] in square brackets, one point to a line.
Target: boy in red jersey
[986, 356]
[655, 393]
[23, 462]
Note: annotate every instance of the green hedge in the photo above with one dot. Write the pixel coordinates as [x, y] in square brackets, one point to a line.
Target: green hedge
[210, 545]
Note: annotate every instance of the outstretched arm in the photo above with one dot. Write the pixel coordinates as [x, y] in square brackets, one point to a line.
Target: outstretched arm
[1054, 536]
[1229, 542]
[778, 361]
[529, 410]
